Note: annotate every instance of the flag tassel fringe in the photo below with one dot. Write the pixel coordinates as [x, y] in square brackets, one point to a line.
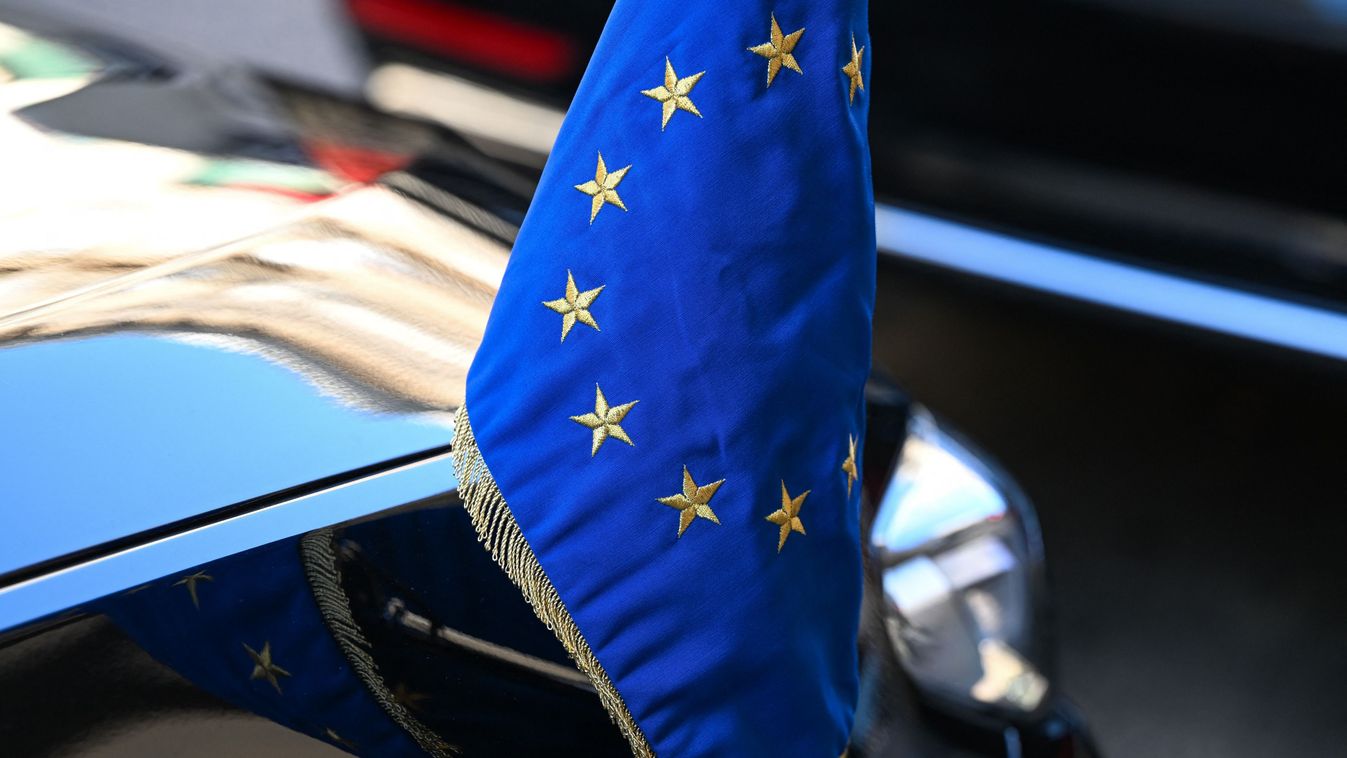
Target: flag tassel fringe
[320, 568]
[498, 532]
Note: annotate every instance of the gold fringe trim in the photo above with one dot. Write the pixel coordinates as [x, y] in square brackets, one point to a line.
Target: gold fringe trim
[498, 532]
[320, 567]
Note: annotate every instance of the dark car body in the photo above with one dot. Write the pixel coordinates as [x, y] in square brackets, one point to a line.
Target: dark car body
[1109, 246]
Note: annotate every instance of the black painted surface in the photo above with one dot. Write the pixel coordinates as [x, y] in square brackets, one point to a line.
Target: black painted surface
[85, 690]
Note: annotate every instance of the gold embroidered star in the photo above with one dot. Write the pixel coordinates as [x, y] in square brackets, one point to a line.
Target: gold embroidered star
[190, 583]
[264, 667]
[849, 465]
[604, 421]
[779, 51]
[575, 306]
[603, 188]
[853, 69]
[693, 502]
[788, 515]
[674, 94]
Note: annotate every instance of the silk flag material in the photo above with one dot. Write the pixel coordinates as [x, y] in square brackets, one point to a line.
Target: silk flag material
[660, 439]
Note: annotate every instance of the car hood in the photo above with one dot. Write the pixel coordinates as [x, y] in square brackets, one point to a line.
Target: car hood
[329, 344]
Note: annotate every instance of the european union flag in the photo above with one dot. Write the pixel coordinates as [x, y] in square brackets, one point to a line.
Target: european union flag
[665, 412]
[271, 630]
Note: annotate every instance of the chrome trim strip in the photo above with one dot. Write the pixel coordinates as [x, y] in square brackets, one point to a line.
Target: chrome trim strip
[488, 649]
[1134, 289]
[396, 609]
[50, 593]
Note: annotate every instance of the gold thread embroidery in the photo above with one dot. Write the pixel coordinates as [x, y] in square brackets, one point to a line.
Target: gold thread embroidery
[575, 306]
[849, 465]
[319, 556]
[779, 51]
[603, 188]
[853, 69]
[500, 534]
[264, 667]
[788, 515]
[190, 583]
[603, 422]
[674, 95]
[693, 502]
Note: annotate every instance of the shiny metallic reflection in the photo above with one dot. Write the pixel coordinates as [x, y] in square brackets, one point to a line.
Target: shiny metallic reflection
[1007, 677]
[961, 562]
[495, 119]
[113, 254]
[75, 211]
[375, 299]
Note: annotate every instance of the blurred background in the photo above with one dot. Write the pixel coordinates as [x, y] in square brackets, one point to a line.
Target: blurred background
[1186, 469]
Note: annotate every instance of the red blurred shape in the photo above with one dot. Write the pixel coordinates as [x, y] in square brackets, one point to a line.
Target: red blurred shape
[472, 36]
[354, 163]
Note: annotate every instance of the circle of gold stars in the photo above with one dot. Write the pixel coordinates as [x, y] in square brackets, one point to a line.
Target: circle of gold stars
[779, 51]
[694, 502]
[574, 306]
[853, 69]
[604, 421]
[602, 189]
[264, 667]
[674, 94]
[788, 515]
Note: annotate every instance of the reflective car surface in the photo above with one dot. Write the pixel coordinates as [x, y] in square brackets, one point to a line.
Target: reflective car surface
[282, 363]
[241, 281]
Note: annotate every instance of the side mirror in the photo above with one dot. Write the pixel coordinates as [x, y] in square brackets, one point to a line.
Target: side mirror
[961, 562]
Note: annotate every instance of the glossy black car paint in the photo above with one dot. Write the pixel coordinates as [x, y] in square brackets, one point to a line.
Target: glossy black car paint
[1183, 480]
[428, 239]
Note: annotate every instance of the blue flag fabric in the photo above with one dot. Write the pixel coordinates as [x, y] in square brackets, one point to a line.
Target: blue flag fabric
[270, 631]
[660, 439]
